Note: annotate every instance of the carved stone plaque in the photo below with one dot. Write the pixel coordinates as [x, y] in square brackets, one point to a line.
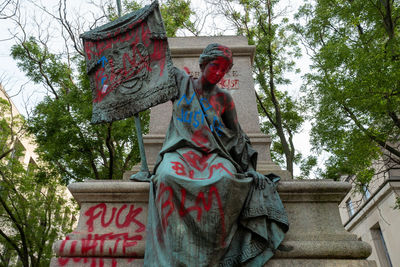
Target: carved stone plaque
[129, 65]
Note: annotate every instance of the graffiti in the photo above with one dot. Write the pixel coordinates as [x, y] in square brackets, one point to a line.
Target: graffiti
[218, 167]
[94, 244]
[198, 117]
[230, 81]
[221, 103]
[135, 61]
[187, 116]
[188, 102]
[168, 203]
[201, 203]
[180, 170]
[201, 140]
[100, 211]
[120, 217]
[196, 161]
[216, 126]
[94, 262]
[159, 54]
[95, 49]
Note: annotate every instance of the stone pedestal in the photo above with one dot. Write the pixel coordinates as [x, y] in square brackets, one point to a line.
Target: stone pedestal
[113, 216]
[185, 52]
[316, 235]
[111, 226]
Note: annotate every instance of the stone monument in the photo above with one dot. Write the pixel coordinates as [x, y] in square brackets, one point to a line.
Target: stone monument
[112, 219]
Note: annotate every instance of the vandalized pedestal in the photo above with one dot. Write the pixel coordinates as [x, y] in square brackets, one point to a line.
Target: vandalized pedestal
[111, 226]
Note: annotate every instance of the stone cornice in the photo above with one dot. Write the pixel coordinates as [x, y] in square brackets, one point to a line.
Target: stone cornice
[247, 50]
[388, 186]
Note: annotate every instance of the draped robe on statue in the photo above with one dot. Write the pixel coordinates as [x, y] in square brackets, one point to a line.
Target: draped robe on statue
[203, 210]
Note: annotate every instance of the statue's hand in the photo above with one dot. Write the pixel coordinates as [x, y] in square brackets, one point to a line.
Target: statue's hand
[258, 179]
[141, 176]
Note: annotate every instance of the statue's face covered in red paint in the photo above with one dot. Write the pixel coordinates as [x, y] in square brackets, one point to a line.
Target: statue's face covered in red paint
[215, 70]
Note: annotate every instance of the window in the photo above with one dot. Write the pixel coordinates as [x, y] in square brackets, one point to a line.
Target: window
[350, 208]
[380, 246]
[366, 194]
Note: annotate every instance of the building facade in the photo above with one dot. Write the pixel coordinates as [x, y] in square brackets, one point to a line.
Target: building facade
[370, 213]
[23, 141]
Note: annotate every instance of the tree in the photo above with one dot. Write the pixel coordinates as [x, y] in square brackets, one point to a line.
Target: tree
[61, 121]
[8, 8]
[33, 211]
[355, 84]
[276, 47]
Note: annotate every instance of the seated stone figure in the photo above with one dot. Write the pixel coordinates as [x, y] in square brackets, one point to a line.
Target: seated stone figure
[208, 206]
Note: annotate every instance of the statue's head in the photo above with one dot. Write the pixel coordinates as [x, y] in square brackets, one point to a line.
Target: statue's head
[215, 61]
[214, 51]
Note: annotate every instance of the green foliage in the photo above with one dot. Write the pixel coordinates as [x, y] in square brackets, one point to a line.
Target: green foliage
[354, 88]
[306, 166]
[61, 121]
[276, 48]
[397, 205]
[176, 13]
[33, 211]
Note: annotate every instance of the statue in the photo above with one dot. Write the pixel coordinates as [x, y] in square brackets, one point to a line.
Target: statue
[208, 206]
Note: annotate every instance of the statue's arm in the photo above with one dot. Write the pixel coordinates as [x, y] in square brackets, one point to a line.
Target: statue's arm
[231, 121]
[229, 116]
[180, 77]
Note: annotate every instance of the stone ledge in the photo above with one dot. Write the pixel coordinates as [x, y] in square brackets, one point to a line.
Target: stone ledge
[313, 186]
[101, 186]
[322, 236]
[319, 263]
[196, 51]
[95, 261]
[111, 197]
[312, 191]
[109, 191]
[345, 249]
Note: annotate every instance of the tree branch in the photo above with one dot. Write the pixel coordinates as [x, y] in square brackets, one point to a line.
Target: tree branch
[265, 111]
[24, 253]
[12, 243]
[374, 138]
[395, 118]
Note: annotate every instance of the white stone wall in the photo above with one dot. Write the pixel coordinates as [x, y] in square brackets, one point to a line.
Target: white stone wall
[378, 212]
[388, 220]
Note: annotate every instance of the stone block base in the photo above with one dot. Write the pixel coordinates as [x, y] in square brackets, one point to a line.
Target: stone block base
[319, 263]
[95, 262]
[113, 216]
[127, 262]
